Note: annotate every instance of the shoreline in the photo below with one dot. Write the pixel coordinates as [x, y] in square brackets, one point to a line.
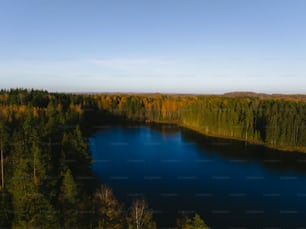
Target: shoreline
[299, 149]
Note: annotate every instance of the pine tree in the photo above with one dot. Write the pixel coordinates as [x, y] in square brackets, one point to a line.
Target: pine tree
[32, 209]
[69, 189]
[5, 210]
[191, 223]
[3, 142]
[198, 223]
[39, 212]
[68, 201]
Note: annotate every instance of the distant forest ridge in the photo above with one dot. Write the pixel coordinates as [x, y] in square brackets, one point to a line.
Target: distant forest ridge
[264, 95]
[277, 96]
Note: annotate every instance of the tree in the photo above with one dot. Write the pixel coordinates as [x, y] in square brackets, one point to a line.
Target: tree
[5, 210]
[139, 216]
[31, 208]
[3, 142]
[108, 209]
[69, 189]
[75, 149]
[198, 223]
[39, 165]
[39, 213]
[68, 201]
[191, 223]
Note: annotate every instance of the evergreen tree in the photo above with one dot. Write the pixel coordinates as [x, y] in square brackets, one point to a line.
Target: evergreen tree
[4, 136]
[198, 223]
[32, 209]
[5, 210]
[68, 201]
[191, 223]
[39, 213]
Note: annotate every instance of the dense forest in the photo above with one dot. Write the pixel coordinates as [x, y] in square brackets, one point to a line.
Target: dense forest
[277, 121]
[46, 176]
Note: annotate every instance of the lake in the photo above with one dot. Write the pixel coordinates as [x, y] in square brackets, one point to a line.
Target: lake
[231, 184]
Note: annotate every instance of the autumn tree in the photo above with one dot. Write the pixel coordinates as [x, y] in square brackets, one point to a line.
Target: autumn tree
[108, 210]
[140, 216]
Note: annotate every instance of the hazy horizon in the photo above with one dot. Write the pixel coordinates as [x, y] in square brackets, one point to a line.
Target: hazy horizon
[156, 92]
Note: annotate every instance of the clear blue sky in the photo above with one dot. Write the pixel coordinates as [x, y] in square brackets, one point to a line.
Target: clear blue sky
[187, 46]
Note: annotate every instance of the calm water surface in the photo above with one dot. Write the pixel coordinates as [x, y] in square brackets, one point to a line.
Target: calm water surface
[230, 184]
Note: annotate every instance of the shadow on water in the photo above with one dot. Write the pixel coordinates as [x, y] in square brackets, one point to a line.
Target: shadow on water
[240, 151]
[229, 183]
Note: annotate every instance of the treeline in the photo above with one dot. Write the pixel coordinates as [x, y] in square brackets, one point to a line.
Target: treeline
[278, 122]
[46, 176]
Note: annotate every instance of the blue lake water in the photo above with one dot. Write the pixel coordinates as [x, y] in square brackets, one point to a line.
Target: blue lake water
[229, 183]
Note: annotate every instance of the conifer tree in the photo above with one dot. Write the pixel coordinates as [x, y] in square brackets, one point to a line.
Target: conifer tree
[68, 201]
[191, 223]
[4, 136]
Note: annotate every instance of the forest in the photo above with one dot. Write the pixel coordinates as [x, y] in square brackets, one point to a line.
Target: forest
[46, 176]
[277, 121]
